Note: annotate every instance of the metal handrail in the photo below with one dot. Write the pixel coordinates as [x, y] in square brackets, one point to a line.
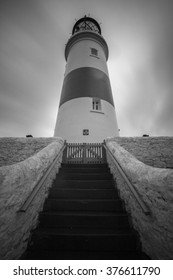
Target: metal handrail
[40, 183]
[141, 203]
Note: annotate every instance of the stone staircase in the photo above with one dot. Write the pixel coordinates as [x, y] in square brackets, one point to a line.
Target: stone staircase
[84, 218]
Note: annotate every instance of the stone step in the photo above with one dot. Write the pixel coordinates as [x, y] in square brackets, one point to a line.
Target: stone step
[84, 176]
[82, 193]
[91, 170]
[51, 240]
[83, 166]
[84, 219]
[84, 184]
[109, 205]
[81, 231]
[83, 255]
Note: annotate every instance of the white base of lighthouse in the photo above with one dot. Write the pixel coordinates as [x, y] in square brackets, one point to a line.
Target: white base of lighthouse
[78, 122]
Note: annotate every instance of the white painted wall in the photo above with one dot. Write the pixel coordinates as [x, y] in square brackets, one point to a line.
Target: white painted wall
[76, 115]
[79, 56]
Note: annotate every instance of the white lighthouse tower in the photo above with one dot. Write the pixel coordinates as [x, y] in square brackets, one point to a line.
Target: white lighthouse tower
[86, 110]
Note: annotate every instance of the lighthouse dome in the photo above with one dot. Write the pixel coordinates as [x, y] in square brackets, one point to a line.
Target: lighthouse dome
[86, 24]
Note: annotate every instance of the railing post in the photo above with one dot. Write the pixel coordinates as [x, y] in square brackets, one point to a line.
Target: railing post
[103, 151]
[84, 152]
[64, 159]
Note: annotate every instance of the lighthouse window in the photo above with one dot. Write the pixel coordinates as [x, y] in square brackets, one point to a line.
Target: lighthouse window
[96, 104]
[94, 52]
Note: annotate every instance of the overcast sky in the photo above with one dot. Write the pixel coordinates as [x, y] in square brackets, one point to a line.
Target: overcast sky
[33, 34]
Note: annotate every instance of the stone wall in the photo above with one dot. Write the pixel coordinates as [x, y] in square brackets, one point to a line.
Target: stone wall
[16, 183]
[154, 186]
[154, 151]
[13, 149]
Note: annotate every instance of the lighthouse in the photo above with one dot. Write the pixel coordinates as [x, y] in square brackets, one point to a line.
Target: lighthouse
[86, 109]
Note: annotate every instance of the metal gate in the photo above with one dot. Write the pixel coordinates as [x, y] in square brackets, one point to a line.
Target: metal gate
[84, 153]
